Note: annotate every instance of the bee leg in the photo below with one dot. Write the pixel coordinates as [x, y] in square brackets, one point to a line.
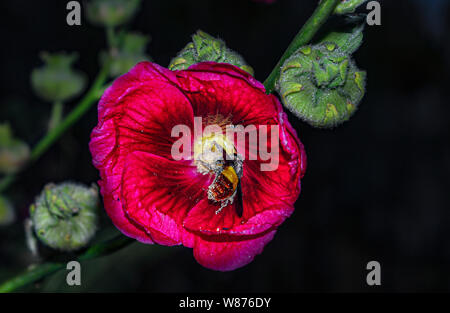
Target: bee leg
[224, 204]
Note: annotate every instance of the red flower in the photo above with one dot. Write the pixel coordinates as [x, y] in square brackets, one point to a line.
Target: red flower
[153, 197]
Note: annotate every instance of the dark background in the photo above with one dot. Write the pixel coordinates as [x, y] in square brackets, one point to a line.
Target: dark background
[376, 188]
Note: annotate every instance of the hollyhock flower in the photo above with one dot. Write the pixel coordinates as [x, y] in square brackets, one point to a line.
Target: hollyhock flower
[156, 198]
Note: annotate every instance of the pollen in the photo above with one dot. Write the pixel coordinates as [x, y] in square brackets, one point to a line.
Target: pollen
[209, 152]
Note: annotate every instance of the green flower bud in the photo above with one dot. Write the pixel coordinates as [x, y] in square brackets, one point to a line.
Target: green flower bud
[131, 51]
[204, 48]
[111, 13]
[321, 85]
[64, 216]
[13, 152]
[7, 215]
[348, 6]
[56, 80]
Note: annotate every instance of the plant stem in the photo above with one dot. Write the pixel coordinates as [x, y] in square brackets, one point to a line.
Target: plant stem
[30, 276]
[112, 41]
[56, 115]
[54, 134]
[42, 270]
[6, 181]
[306, 33]
[111, 37]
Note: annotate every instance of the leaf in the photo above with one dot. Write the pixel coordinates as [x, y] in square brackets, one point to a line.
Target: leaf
[348, 36]
[348, 6]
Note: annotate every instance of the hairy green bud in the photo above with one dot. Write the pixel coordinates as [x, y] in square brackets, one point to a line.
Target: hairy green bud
[56, 80]
[321, 85]
[204, 48]
[111, 13]
[64, 216]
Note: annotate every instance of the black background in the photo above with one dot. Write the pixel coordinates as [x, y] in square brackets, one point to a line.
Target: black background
[376, 188]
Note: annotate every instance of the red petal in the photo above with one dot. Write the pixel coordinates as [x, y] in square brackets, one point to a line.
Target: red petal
[158, 193]
[226, 90]
[228, 69]
[277, 189]
[139, 119]
[227, 255]
[134, 115]
[202, 220]
[117, 215]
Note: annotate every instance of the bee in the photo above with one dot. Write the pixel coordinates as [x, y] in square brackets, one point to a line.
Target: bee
[226, 186]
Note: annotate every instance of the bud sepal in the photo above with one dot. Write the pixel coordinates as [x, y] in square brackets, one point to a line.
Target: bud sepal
[348, 6]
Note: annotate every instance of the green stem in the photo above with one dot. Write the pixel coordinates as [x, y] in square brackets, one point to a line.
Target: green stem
[306, 33]
[56, 115]
[54, 134]
[6, 181]
[42, 270]
[110, 36]
[111, 40]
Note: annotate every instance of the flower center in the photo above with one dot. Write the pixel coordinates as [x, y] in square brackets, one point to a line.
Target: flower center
[211, 152]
